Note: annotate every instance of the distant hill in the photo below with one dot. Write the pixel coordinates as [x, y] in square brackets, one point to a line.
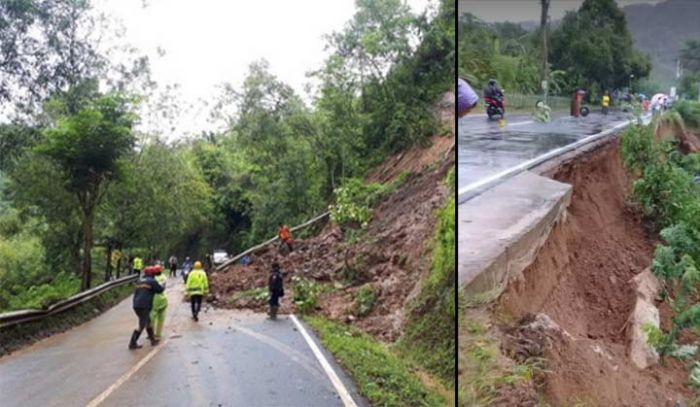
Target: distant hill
[660, 30]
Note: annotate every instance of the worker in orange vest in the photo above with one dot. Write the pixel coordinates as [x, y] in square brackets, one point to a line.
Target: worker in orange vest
[285, 236]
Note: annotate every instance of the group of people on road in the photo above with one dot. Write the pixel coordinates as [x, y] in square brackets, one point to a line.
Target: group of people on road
[150, 302]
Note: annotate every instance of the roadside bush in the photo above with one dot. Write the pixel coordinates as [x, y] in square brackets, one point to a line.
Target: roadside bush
[637, 147]
[665, 192]
[25, 280]
[690, 112]
[669, 197]
[306, 294]
[353, 202]
[355, 199]
[365, 300]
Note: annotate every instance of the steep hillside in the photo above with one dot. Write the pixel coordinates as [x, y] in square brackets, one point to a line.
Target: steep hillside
[388, 258]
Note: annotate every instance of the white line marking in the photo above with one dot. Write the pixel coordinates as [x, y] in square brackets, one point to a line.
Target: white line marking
[519, 123]
[339, 386]
[111, 389]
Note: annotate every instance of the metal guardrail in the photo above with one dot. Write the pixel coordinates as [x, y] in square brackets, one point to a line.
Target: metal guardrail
[261, 245]
[481, 186]
[21, 316]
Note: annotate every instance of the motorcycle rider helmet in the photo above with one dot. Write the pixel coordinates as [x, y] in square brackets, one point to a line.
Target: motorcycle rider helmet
[492, 82]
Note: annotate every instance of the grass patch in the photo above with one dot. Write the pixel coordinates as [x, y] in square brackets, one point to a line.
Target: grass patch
[17, 336]
[383, 378]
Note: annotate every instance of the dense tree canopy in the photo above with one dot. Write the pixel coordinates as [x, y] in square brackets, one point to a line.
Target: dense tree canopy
[595, 48]
[86, 181]
[591, 48]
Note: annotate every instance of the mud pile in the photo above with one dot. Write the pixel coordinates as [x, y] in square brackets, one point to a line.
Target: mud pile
[391, 255]
[580, 279]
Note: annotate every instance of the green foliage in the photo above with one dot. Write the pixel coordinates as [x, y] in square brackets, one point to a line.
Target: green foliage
[355, 199]
[429, 337]
[595, 48]
[665, 190]
[306, 292]
[365, 298]
[87, 147]
[637, 147]
[689, 111]
[668, 195]
[382, 377]
[495, 51]
[77, 176]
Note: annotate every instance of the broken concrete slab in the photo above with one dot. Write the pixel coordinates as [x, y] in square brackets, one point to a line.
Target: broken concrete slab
[642, 354]
[645, 313]
[646, 285]
[501, 230]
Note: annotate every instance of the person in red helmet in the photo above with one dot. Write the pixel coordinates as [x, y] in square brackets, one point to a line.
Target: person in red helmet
[146, 288]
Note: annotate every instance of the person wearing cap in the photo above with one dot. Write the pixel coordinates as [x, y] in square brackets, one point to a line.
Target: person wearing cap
[275, 286]
[146, 287]
[197, 286]
[466, 98]
[160, 303]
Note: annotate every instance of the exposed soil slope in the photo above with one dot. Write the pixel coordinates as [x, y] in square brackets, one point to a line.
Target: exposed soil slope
[391, 255]
[580, 279]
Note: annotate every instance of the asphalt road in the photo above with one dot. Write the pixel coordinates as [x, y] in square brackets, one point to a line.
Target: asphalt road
[484, 149]
[228, 358]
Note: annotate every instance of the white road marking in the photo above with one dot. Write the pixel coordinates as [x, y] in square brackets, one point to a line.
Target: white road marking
[111, 389]
[518, 123]
[337, 383]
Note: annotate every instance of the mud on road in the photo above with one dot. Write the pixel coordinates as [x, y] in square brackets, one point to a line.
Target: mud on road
[391, 255]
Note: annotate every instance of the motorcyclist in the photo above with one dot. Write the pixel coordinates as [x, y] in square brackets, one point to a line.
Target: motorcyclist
[492, 91]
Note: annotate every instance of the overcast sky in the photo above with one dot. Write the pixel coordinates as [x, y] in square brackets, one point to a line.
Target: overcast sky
[207, 42]
[525, 10]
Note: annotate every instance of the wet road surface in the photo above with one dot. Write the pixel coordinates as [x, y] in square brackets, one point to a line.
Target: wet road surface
[228, 358]
[484, 149]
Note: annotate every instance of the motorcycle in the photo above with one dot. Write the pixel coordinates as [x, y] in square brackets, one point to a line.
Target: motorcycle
[495, 106]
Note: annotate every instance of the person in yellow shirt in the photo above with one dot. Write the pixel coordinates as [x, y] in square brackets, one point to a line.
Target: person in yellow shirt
[160, 303]
[606, 102]
[197, 286]
[138, 265]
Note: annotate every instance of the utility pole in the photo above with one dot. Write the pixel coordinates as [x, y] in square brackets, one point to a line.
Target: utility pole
[543, 28]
